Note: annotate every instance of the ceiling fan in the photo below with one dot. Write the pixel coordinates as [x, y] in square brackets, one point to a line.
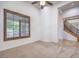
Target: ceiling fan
[43, 3]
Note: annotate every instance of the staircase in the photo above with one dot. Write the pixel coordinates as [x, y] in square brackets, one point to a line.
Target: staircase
[68, 27]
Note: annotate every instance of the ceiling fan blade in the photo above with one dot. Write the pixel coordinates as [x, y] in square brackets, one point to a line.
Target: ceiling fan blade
[49, 3]
[34, 2]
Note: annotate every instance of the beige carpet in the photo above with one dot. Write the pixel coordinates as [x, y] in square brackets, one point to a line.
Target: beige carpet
[43, 50]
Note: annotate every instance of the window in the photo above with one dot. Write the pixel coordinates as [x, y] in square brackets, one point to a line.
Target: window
[15, 25]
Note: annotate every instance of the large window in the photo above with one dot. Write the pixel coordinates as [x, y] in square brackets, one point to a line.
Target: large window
[16, 25]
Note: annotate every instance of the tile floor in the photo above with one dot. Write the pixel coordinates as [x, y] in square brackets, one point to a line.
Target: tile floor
[64, 49]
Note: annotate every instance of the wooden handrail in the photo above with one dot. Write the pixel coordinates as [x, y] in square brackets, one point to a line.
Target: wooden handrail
[69, 31]
[72, 27]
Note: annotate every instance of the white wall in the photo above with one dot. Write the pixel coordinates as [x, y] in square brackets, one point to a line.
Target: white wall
[51, 25]
[48, 26]
[23, 8]
[60, 21]
[71, 12]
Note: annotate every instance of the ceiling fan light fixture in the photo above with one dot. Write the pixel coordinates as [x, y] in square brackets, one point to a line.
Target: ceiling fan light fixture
[42, 3]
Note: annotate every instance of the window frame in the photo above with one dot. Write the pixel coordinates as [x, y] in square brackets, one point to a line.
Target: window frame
[5, 23]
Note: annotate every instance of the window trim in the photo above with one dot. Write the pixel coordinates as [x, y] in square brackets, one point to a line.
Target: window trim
[16, 13]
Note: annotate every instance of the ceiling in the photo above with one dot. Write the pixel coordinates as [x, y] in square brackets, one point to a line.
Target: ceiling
[69, 6]
[63, 8]
[37, 5]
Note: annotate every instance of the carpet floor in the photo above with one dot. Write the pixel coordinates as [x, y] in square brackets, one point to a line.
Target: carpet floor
[64, 49]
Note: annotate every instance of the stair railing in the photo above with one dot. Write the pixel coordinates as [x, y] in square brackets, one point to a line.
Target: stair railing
[71, 28]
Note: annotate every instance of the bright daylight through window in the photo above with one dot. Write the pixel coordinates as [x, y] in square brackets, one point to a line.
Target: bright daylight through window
[16, 25]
